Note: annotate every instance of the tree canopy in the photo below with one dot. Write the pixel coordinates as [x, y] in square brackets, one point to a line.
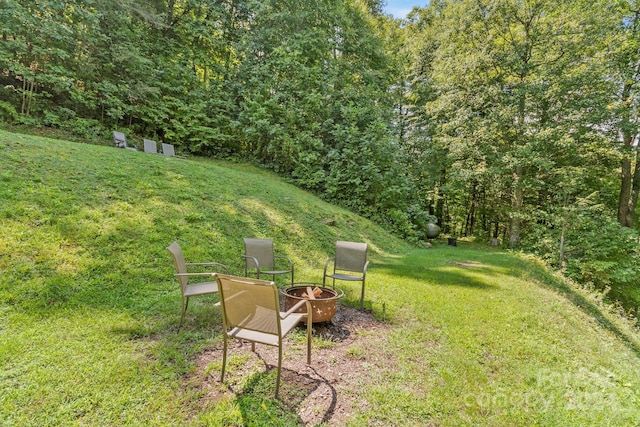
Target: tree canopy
[509, 120]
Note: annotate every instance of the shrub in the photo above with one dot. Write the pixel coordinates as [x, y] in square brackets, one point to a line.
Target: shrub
[596, 252]
[8, 113]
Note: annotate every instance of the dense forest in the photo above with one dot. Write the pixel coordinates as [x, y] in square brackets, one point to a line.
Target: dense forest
[511, 120]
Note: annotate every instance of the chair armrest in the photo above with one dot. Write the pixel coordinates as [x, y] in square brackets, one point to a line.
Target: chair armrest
[297, 306]
[192, 274]
[364, 270]
[255, 260]
[207, 264]
[326, 265]
[285, 257]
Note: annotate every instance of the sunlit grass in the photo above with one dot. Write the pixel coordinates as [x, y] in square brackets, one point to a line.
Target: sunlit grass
[89, 306]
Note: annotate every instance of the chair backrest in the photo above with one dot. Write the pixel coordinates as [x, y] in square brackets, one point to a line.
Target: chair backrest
[350, 256]
[180, 263]
[260, 249]
[249, 304]
[167, 149]
[150, 146]
[119, 139]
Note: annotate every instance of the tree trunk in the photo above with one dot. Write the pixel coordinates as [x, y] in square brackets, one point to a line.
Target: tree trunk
[629, 178]
[561, 248]
[629, 183]
[625, 191]
[515, 222]
[470, 221]
[516, 205]
[635, 190]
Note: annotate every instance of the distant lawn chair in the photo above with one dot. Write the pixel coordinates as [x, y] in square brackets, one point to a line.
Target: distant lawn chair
[150, 146]
[168, 150]
[351, 257]
[120, 141]
[187, 289]
[260, 258]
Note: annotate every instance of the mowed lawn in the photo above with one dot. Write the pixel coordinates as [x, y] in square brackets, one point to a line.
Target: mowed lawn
[89, 306]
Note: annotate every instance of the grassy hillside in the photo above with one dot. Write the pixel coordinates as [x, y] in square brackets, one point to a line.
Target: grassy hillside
[89, 305]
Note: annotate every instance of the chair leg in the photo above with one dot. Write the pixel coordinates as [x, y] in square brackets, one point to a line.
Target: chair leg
[309, 331]
[185, 304]
[279, 367]
[362, 297]
[224, 357]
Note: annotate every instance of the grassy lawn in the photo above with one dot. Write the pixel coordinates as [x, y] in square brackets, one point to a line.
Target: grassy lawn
[89, 306]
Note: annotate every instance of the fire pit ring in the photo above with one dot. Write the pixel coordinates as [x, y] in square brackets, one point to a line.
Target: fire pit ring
[323, 306]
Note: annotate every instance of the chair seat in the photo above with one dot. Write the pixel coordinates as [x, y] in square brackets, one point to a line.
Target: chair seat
[286, 324]
[201, 289]
[344, 276]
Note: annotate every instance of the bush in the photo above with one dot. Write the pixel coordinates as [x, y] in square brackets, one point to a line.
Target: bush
[88, 129]
[597, 251]
[8, 113]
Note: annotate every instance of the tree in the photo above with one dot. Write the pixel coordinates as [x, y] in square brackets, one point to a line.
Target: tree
[624, 76]
[507, 76]
[315, 105]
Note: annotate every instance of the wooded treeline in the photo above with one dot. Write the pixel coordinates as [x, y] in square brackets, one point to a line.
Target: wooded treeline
[514, 120]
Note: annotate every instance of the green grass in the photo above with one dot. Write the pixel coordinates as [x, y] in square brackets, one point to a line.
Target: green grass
[89, 305]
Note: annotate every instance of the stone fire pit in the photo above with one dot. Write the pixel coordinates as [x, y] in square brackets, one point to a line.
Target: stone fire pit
[323, 305]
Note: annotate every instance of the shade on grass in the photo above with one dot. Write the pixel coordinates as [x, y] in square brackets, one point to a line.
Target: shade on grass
[89, 305]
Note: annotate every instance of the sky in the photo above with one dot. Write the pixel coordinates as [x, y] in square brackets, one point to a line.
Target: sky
[400, 8]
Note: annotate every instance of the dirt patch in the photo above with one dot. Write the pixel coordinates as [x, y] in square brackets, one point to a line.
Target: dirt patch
[324, 392]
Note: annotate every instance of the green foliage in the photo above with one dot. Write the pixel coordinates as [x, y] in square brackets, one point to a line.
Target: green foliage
[8, 112]
[89, 130]
[487, 116]
[315, 106]
[300, 87]
[503, 107]
[591, 248]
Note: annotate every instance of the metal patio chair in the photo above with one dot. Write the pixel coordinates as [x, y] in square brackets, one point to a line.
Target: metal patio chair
[188, 289]
[251, 312]
[260, 258]
[350, 263]
[150, 146]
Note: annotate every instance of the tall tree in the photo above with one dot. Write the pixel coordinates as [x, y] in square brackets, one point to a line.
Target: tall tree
[507, 75]
[315, 102]
[624, 74]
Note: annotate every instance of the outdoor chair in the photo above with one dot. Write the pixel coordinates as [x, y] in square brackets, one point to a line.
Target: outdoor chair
[350, 263]
[169, 151]
[251, 312]
[120, 141]
[187, 289]
[260, 258]
[150, 146]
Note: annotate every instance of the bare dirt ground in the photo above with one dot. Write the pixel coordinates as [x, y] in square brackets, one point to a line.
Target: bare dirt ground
[345, 350]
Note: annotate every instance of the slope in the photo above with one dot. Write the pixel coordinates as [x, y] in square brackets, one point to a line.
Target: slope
[89, 308]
